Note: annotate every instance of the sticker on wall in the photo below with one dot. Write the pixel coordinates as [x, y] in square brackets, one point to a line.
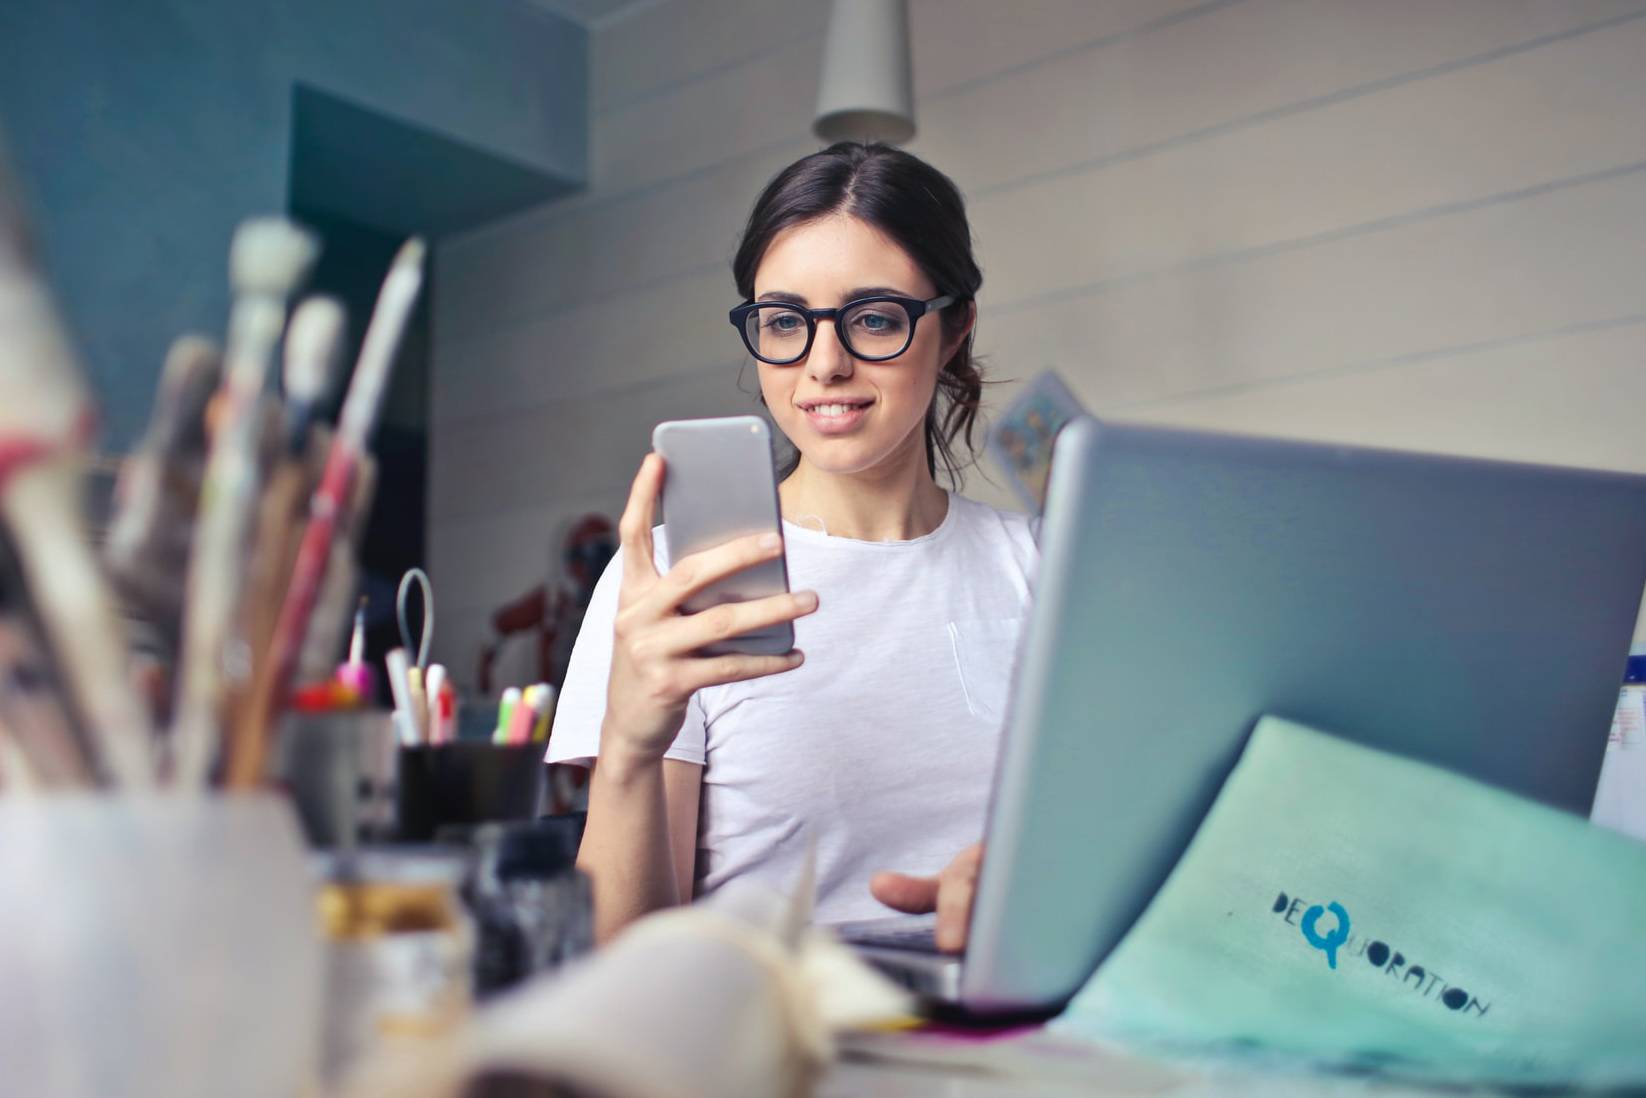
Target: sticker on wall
[1021, 439]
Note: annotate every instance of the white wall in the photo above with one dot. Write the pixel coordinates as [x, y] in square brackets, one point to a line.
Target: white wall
[1415, 223]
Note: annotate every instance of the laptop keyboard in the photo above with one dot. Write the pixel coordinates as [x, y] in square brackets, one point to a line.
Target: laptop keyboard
[919, 937]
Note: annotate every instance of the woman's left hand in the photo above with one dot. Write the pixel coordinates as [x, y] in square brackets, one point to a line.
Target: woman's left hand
[949, 894]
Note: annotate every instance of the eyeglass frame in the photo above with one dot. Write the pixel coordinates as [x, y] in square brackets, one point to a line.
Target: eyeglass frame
[912, 306]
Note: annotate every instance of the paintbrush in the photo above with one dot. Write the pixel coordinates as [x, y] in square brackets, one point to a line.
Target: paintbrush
[31, 712]
[45, 422]
[314, 342]
[14, 774]
[330, 508]
[46, 753]
[158, 492]
[267, 260]
[314, 346]
[328, 621]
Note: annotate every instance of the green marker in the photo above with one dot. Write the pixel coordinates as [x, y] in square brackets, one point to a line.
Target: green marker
[505, 710]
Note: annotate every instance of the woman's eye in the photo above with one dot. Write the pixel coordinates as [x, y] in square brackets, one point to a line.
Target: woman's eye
[784, 323]
[878, 323]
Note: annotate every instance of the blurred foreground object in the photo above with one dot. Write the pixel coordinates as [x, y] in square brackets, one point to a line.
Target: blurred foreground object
[44, 752]
[166, 948]
[730, 997]
[533, 907]
[46, 422]
[333, 508]
[268, 260]
[399, 951]
[158, 493]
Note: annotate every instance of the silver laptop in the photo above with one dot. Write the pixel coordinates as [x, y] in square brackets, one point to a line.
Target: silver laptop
[1472, 614]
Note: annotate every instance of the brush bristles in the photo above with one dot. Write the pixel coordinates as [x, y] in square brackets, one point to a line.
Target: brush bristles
[313, 342]
[270, 255]
[15, 239]
[192, 363]
[412, 253]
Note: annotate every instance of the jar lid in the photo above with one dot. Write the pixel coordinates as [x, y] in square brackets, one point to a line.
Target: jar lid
[402, 864]
[542, 848]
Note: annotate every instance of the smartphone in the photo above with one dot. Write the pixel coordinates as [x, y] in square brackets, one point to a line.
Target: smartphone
[719, 484]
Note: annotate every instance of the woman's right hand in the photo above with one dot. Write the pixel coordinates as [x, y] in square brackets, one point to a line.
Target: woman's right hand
[655, 666]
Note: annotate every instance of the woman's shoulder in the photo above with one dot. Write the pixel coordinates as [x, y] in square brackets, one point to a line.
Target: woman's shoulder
[1011, 529]
[986, 515]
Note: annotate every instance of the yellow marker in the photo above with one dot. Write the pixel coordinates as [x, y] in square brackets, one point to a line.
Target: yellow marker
[419, 702]
[544, 704]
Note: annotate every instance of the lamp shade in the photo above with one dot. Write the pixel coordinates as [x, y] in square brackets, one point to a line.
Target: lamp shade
[867, 90]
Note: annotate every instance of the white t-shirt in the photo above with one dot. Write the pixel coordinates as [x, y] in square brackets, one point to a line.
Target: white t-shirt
[882, 744]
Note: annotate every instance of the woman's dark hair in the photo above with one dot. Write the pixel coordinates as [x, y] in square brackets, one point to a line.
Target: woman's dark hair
[921, 209]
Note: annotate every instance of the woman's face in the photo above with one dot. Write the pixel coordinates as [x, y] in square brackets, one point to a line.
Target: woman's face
[844, 415]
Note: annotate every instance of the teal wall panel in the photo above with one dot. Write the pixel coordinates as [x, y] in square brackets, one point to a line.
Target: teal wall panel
[143, 132]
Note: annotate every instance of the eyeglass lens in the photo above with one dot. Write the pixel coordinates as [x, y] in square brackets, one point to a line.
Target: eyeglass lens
[871, 330]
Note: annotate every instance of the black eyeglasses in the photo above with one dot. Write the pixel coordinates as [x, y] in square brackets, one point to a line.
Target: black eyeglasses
[872, 329]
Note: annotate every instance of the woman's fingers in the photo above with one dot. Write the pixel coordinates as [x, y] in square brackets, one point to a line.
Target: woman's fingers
[954, 911]
[635, 527]
[950, 894]
[679, 636]
[957, 886]
[720, 670]
[689, 575]
[904, 892]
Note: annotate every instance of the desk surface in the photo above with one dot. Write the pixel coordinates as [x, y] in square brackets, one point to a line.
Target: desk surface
[875, 1080]
[863, 1080]
[1036, 1065]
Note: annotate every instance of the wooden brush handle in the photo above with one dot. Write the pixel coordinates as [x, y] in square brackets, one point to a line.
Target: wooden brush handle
[41, 507]
[249, 745]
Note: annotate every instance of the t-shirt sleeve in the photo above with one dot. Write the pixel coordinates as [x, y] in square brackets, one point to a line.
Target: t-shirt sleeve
[575, 737]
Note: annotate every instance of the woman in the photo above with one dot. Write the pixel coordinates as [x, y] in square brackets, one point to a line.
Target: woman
[878, 742]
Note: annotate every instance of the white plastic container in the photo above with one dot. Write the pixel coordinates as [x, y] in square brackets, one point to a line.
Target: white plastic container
[1620, 796]
[156, 945]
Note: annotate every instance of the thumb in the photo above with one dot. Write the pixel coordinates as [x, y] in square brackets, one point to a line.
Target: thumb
[914, 895]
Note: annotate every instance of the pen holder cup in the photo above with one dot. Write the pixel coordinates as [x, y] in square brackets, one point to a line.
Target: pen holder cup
[156, 945]
[467, 782]
[341, 771]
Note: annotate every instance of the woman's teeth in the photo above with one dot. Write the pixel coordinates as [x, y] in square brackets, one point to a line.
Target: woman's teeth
[834, 409]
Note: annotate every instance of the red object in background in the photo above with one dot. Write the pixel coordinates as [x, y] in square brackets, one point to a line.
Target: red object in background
[554, 611]
[537, 611]
[326, 697]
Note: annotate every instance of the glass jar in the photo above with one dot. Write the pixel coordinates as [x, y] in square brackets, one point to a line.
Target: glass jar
[532, 906]
[399, 948]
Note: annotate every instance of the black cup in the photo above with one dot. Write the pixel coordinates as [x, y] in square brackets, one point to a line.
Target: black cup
[466, 783]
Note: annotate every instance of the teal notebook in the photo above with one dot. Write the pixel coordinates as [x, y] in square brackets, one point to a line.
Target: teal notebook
[1351, 909]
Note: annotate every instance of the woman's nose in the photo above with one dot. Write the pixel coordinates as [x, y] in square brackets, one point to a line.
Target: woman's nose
[829, 358]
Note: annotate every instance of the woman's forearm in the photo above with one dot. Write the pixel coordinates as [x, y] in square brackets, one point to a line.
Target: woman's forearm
[626, 849]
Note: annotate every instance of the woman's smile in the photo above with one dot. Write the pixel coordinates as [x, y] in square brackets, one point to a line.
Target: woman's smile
[835, 415]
